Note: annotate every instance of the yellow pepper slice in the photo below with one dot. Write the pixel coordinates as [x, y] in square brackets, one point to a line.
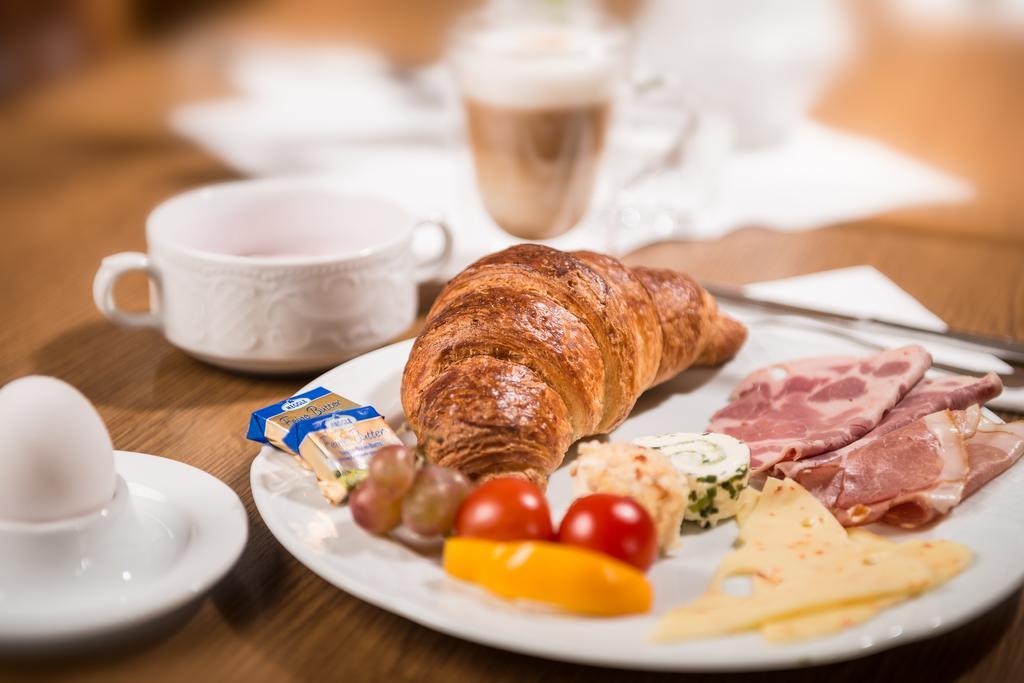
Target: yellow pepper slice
[572, 578]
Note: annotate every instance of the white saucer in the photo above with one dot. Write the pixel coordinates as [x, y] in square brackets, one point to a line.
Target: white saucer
[170, 533]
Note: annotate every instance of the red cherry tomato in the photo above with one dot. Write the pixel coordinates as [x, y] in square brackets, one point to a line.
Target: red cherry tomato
[614, 525]
[505, 509]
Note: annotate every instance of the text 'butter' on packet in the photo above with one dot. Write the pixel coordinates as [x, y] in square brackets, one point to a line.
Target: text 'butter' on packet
[338, 447]
[271, 424]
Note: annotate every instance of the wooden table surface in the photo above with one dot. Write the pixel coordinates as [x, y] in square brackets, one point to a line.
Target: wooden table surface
[84, 161]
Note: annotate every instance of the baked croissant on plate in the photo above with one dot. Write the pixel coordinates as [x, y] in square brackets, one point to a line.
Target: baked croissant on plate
[531, 348]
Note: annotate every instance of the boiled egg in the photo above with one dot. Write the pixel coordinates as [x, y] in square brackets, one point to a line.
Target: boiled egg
[56, 458]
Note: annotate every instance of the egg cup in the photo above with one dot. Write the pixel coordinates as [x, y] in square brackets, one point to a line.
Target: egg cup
[167, 535]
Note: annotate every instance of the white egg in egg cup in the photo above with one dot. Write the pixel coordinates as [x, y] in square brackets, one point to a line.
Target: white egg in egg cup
[170, 532]
[93, 540]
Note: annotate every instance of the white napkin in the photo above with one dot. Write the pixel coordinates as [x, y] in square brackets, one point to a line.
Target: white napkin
[1000, 15]
[855, 291]
[305, 108]
[818, 176]
[862, 290]
[822, 176]
[310, 71]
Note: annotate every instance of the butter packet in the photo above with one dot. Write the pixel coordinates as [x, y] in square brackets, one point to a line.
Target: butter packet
[271, 424]
[338, 447]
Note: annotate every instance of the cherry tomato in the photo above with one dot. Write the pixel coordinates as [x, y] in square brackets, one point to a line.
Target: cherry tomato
[505, 509]
[614, 525]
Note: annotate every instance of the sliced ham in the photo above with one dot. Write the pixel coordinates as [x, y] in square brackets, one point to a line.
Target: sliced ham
[917, 473]
[931, 395]
[795, 410]
[928, 396]
[911, 475]
[991, 451]
[850, 431]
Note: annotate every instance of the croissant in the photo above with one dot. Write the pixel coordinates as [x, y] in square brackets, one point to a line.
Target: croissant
[531, 348]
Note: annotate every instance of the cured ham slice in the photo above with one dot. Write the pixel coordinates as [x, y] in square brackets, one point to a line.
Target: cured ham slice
[914, 474]
[850, 432]
[795, 410]
[931, 395]
[991, 451]
[911, 475]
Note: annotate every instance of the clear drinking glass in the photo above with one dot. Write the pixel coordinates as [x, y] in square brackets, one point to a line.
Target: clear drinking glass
[538, 82]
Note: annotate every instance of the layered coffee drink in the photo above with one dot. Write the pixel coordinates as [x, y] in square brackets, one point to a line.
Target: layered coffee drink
[537, 102]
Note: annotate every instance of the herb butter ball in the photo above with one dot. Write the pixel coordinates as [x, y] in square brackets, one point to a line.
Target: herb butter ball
[56, 459]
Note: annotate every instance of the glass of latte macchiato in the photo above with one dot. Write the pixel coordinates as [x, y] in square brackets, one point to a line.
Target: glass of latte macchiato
[538, 88]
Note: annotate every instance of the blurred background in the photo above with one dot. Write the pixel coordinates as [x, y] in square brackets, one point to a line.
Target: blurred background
[921, 102]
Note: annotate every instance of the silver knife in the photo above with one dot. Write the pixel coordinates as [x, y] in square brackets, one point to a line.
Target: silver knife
[1005, 348]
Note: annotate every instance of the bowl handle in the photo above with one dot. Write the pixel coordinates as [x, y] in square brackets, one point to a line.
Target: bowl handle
[428, 269]
[110, 271]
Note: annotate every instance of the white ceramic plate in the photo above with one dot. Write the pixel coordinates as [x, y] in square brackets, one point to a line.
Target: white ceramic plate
[413, 585]
[191, 530]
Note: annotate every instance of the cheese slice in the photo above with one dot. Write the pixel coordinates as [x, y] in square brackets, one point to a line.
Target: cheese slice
[823, 622]
[943, 558]
[746, 504]
[810, 576]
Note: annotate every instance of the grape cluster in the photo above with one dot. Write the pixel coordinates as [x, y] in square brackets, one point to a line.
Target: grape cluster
[399, 491]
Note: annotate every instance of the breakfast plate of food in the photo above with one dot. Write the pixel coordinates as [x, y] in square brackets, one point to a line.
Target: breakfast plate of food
[598, 464]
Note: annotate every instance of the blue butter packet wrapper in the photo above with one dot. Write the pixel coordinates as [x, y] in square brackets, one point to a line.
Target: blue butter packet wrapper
[341, 420]
[338, 447]
[272, 424]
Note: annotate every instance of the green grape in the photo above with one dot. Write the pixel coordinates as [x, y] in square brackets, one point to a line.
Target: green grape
[429, 507]
[392, 470]
[374, 510]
